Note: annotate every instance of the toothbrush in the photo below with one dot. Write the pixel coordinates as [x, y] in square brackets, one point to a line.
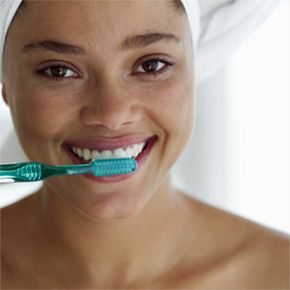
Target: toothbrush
[35, 171]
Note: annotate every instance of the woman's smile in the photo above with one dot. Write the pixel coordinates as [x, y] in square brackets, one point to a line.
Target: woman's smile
[85, 151]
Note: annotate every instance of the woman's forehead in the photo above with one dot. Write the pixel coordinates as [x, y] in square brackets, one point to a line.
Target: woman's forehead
[95, 20]
[90, 14]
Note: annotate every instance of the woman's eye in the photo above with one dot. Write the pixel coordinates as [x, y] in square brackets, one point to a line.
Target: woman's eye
[153, 66]
[58, 72]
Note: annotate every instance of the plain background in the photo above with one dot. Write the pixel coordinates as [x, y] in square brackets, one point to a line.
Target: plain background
[239, 155]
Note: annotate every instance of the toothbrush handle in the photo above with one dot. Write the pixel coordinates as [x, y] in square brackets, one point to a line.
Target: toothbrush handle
[49, 170]
[24, 171]
[35, 171]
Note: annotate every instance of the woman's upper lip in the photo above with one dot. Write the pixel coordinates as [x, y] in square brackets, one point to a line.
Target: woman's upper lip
[107, 143]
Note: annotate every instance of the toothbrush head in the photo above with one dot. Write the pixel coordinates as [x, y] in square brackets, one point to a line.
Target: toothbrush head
[116, 166]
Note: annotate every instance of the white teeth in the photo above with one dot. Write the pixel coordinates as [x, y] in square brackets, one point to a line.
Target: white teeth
[79, 152]
[87, 154]
[119, 153]
[127, 152]
[135, 151]
[107, 154]
[96, 154]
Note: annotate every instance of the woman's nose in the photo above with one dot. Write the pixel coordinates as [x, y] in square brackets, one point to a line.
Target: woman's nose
[110, 107]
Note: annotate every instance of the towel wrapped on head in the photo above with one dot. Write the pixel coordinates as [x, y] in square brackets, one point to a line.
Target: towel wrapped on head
[218, 27]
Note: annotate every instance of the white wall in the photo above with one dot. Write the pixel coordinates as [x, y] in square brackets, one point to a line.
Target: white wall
[239, 158]
[263, 115]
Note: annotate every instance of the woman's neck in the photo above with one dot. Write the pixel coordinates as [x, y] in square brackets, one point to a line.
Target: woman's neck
[137, 246]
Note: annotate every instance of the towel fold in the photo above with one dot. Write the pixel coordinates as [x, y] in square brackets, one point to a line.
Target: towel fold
[218, 27]
[224, 25]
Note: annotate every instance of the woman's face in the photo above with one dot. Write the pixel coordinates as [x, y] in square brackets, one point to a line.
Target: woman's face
[98, 77]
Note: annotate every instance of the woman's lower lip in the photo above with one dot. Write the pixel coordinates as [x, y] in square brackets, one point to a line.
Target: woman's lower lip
[115, 178]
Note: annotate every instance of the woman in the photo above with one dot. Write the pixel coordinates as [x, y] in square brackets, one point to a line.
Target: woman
[82, 82]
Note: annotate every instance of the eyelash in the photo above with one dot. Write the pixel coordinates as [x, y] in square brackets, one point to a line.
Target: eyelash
[166, 64]
[43, 72]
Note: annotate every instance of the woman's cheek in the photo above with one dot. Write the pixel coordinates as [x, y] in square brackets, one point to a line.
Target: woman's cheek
[173, 103]
[43, 114]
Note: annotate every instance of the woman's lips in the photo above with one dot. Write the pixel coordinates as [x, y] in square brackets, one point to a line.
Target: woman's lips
[107, 145]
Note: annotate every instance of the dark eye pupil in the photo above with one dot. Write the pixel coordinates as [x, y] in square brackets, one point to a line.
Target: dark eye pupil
[150, 66]
[58, 71]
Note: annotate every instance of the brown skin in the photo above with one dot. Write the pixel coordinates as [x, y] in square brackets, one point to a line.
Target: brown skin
[150, 235]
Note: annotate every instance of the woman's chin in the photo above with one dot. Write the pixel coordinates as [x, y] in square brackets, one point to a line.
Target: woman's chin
[120, 203]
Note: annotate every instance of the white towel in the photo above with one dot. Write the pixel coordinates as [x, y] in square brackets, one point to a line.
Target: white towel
[224, 25]
[8, 9]
[218, 27]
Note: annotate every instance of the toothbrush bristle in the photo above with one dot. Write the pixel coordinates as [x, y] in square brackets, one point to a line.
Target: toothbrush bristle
[117, 166]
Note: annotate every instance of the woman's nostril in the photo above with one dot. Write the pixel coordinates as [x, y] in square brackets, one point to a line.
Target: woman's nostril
[112, 119]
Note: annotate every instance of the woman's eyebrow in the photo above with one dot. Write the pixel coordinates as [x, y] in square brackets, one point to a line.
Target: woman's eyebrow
[54, 46]
[130, 42]
[142, 40]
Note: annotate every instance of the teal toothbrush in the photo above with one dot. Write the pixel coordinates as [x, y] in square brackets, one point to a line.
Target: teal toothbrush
[35, 171]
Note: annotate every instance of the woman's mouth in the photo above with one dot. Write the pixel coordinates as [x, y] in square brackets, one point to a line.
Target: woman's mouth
[88, 155]
[88, 151]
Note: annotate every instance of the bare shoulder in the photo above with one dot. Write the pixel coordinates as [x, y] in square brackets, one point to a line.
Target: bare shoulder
[252, 255]
[262, 253]
[268, 256]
